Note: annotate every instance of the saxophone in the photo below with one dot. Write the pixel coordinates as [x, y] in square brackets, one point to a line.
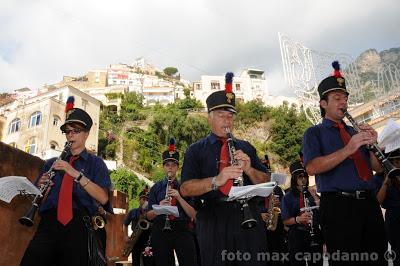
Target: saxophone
[273, 212]
[142, 225]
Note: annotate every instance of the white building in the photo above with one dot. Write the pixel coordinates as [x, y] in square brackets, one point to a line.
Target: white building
[153, 88]
[33, 124]
[249, 85]
[276, 101]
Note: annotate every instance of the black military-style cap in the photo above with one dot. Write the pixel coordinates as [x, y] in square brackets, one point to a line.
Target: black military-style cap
[77, 115]
[296, 167]
[223, 99]
[144, 193]
[171, 154]
[332, 83]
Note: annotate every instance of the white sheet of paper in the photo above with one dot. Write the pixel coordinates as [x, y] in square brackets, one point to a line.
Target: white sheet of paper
[390, 136]
[309, 208]
[245, 192]
[160, 209]
[279, 178]
[10, 186]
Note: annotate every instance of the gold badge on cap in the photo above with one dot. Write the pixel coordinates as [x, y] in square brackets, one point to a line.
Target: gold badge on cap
[229, 97]
[340, 81]
[70, 112]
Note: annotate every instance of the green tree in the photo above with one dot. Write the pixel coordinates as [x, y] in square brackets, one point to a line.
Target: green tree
[126, 181]
[287, 133]
[251, 112]
[170, 71]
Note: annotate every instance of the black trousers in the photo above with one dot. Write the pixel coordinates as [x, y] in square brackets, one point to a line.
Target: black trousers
[165, 242]
[392, 224]
[137, 251]
[223, 241]
[277, 244]
[301, 252]
[353, 230]
[56, 244]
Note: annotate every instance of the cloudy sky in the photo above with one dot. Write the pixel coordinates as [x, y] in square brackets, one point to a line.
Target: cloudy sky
[42, 40]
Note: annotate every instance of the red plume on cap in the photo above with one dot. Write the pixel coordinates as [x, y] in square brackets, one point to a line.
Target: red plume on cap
[228, 82]
[171, 146]
[70, 104]
[336, 66]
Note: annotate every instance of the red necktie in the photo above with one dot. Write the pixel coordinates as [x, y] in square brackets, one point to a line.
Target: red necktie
[301, 201]
[361, 165]
[173, 203]
[224, 162]
[64, 208]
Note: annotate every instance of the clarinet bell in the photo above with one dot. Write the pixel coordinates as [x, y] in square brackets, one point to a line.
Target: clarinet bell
[27, 219]
[167, 226]
[248, 220]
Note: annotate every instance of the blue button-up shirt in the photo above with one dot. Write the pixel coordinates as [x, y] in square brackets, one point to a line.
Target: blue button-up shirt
[133, 217]
[324, 139]
[92, 167]
[202, 161]
[290, 206]
[158, 192]
[392, 199]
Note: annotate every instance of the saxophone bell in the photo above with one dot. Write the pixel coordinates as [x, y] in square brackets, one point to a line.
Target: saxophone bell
[273, 212]
[98, 222]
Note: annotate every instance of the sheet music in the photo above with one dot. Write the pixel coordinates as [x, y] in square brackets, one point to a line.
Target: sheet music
[244, 192]
[10, 186]
[390, 136]
[279, 178]
[165, 209]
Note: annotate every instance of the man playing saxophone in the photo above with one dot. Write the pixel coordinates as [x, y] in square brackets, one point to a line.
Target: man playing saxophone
[171, 233]
[270, 209]
[134, 217]
[351, 218]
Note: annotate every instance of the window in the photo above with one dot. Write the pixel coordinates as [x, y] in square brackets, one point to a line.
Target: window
[56, 120]
[36, 119]
[84, 104]
[15, 126]
[31, 146]
[215, 85]
[237, 86]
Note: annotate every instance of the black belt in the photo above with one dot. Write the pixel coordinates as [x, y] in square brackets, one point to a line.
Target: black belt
[358, 194]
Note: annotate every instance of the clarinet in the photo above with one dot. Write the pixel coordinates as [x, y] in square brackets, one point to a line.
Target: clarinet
[167, 224]
[308, 210]
[390, 169]
[248, 220]
[28, 218]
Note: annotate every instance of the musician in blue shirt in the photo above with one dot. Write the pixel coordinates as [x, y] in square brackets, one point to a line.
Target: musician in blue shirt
[304, 233]
[351, 218]
[133, 218]
[208, 176]
[171, 233]
[389, 197]
[80, 185]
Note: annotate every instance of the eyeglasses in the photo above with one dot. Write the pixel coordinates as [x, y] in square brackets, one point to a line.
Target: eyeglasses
[302, 176]
[73, 131]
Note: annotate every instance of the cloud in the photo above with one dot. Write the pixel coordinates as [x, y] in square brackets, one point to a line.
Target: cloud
[40, 41]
